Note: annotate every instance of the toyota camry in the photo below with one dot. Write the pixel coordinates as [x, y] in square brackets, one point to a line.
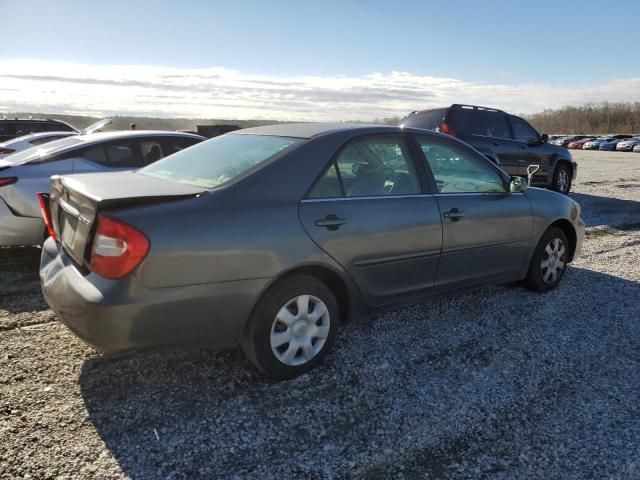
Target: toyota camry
[271, 237]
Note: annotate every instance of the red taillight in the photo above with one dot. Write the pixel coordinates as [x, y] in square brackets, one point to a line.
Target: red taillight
[8, 181]
[444, 128]
[117, 249]
[6, 151]
[43, 200]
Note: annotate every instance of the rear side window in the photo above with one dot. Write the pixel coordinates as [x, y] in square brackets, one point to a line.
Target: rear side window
[57, 127]
[95, 155]
[369, 167]
[497, 125]
[219, 160]
[469, 121]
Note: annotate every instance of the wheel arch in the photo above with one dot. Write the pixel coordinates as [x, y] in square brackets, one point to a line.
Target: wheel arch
[568, 229]
[341, 287]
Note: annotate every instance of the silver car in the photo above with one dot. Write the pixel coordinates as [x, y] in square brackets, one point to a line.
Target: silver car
[628, 145]
[26, 173]
[272, 236]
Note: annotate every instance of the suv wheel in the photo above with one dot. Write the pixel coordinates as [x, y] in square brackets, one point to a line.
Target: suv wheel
[562, 179]
[292, 327]
[549, 261]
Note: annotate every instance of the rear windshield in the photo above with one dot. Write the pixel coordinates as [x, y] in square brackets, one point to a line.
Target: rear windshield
[219, 160]
[35, 154]
[429, 120]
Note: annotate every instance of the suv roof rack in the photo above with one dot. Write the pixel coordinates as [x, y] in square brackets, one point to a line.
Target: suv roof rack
[475, 107]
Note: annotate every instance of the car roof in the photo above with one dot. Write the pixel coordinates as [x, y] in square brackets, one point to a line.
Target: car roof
[53, 148]
[32, 136]
[310, 130]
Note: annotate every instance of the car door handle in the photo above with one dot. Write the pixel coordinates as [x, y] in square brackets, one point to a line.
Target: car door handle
[453, 214]
[331, 222]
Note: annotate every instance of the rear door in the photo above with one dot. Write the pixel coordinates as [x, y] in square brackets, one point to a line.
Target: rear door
[485, 230]
[369, 213]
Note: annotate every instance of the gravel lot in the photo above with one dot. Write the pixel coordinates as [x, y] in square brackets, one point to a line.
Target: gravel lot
[496, 383]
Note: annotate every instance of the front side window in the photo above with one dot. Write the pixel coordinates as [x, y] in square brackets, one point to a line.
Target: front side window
[457, 171]
[522, 131]
[368, 167]
[219, 160]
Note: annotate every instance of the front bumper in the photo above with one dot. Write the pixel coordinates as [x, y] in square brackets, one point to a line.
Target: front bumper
[16, 230]
[120, 315]
[580, 227]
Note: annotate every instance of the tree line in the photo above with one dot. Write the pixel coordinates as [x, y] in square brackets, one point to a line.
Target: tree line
[596, 118]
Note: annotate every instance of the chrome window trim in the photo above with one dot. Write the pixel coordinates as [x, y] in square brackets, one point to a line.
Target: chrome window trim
[422, 195]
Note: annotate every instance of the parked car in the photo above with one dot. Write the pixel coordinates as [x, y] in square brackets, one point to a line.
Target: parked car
[507, 140]
[610, 144]
[574, 138]
[595, 143]
[628, 145]
[32, 140]
[25, 173]
[578, 144]
[271, 237]
[17, 127]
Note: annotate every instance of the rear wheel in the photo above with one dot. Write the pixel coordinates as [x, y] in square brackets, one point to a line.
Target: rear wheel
[549, 261]
[292, 327]
[562, 178]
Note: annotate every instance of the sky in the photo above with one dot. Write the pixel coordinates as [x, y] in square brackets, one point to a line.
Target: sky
[313, 60]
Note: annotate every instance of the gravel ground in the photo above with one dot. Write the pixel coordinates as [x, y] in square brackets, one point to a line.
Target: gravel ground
[496, 383]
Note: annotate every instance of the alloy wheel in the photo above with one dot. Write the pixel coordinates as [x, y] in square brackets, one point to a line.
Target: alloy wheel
[563, 180]
[553, 261]
[300, 330]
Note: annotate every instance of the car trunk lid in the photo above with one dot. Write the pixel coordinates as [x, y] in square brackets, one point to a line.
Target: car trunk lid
[76, 200]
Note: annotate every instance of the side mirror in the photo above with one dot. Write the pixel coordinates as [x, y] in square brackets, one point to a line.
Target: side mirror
[544, 138]
[517, 185]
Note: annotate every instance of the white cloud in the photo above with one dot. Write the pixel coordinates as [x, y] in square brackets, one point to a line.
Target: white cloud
[73, 88]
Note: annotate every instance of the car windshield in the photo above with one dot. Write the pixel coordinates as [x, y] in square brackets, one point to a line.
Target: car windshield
[219, 160]
[32, 154]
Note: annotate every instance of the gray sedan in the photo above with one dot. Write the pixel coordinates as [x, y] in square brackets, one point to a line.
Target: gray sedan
[271, 237]
[25, 173]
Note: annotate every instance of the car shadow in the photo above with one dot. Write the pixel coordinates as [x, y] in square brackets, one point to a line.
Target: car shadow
[614, 212]
[19, 280]
[200, 413]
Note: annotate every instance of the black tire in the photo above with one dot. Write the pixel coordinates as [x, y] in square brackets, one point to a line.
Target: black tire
[562, 178]
[538, 278]
[256, 342]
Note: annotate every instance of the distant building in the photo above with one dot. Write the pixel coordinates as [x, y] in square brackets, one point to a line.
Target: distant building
[211, 131]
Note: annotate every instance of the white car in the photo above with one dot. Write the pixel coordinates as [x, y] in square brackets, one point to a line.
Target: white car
[31, 140]
[25, 142]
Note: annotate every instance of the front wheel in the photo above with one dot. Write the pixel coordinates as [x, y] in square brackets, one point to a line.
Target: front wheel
[549, 261]
[292, 328]
[562, 179]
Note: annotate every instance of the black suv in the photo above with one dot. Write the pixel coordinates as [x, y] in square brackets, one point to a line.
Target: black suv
[509, 141]
[16, 127]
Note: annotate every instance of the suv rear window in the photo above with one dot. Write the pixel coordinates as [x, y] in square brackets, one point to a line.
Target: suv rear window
[429, 119]
[219, 160]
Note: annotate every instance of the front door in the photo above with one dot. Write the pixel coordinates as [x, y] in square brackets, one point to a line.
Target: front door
[485, 230]
[368, 212]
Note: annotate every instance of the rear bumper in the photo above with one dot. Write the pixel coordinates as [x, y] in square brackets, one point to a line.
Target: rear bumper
[16, 230]
[119, 315]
